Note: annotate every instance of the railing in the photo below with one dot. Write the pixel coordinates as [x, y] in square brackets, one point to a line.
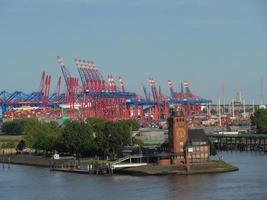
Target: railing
[242, 142]
[118, 163]
[126, 158]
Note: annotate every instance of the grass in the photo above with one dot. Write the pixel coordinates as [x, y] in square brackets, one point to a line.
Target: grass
[218, 165]
[9, 141]
[8, 138]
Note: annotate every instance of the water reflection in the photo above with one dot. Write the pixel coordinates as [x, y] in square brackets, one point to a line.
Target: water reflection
[250, 182]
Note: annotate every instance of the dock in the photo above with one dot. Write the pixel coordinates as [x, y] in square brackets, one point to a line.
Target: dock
[241, 142]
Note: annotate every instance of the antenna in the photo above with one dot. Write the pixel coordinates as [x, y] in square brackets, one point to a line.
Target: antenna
[220, 117]
[244, 105]
[60, 61]
[261, 92]
[253, 106]
[170, 85]
[223, 97]
[233, 103]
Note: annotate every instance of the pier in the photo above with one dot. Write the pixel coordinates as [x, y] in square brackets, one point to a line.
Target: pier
[241, 142]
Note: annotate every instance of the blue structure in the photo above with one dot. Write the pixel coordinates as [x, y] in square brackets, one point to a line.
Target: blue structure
[94, 85]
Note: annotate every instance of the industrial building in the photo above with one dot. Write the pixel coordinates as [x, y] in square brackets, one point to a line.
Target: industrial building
[91, 95]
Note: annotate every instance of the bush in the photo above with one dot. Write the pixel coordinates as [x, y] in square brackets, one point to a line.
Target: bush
[213, 150]
[21, 145]
[42, 136]
[16, 126]
[94, 137]
[133, 124]
[260, 120]
[78, 139]
[8, 145]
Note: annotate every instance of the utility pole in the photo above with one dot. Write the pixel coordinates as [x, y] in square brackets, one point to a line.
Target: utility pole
[131, 132]
[233, 104]
[208, 109]
[244, 106]
[261, 92]
[223, 96]
[253, 107]
[220, 117]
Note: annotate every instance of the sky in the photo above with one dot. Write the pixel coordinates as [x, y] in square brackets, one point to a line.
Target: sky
[209, 43]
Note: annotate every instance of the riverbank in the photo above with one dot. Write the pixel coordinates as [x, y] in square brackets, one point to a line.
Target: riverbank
[26, 160]
[8, 143]
[207, 168]
[23, 182]
[156, 170]
[38, 161]
[67, 165]
[8, 137]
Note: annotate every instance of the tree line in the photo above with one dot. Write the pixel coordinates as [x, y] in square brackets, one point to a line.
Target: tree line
[95, 137]
[259, 119]
[15, 126]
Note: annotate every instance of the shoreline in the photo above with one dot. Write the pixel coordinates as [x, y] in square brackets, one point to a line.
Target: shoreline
[30, 160]
[149, 170]
[132, 173]
[27, 160]
[153, 170]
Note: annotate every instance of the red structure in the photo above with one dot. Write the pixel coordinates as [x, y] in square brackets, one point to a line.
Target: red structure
[58, 88]
[73, 89]
[96, 97]
[179, 135]
[187, 102]
[156, 99]
[45, 87]
[101, 99]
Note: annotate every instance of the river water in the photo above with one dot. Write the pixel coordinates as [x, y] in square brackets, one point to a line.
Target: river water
[32, 183]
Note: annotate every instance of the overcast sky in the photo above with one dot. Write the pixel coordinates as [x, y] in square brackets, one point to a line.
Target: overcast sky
[206, 42]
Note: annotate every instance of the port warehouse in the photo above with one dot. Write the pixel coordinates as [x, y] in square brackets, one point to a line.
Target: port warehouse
[91, 95]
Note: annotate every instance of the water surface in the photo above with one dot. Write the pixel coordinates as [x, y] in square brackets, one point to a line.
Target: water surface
[31, 183]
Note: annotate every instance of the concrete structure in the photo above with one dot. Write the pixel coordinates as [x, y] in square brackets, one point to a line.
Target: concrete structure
[179, 135]
[185, 146]
[198, 146]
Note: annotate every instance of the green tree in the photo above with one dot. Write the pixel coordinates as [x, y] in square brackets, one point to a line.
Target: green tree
[32, 131]
[9, 145]
[96, 123]
[16, 126]
[95, 137]
[228, 128]
[119, 135]
[213, 112]
[102, 138]
[78, 138]
[109, 135]
[137, 142]
[41, 135]
[213, 150]
[21, 145]
[133, 124]
[259, 119]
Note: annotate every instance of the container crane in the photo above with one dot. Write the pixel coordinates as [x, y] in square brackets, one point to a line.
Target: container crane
[155, 98]
[66, 73]
[170, 85]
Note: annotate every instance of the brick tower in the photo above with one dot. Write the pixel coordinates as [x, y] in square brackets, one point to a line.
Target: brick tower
[179, 134]
[178, 138]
